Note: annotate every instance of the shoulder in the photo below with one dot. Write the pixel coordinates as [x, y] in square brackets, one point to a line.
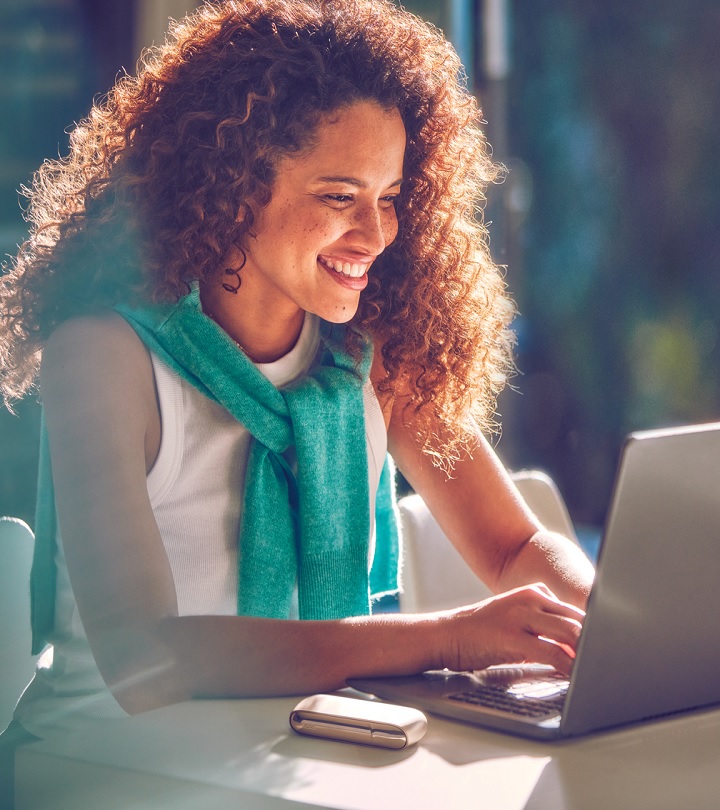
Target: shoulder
[98, 359]
[103, 344]
[393, 393]
[379, 379]
[89, 335]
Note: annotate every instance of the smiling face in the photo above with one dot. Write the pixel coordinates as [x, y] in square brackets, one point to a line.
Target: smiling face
[331, 214]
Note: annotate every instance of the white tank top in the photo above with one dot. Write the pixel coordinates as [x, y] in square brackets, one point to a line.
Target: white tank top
[195, 489]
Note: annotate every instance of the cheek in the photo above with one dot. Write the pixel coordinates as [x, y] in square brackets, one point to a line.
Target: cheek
[390, 227]
[317, 233]
[305, 230]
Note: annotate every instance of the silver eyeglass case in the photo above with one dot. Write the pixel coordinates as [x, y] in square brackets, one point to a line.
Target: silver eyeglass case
[365, 722]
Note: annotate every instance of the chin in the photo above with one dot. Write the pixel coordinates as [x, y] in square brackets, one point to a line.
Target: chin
[338, 314]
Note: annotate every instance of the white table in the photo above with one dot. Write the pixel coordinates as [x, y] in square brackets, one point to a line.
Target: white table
[204, 755]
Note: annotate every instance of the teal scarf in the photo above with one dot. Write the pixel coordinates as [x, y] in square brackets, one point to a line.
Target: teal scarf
[311, 529]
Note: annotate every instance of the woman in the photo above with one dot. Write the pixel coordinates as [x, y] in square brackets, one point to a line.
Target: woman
[260, 268]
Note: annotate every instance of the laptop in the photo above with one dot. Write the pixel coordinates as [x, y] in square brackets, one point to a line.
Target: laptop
[650, 644]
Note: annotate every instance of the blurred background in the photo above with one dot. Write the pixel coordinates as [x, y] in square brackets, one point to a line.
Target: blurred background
[607, 116]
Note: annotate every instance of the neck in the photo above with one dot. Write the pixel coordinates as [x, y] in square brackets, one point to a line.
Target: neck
[263, 339]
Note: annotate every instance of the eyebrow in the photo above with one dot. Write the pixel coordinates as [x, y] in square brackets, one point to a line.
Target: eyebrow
[352, 181]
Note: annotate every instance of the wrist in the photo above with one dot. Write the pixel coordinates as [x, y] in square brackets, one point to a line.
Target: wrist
[411, 643]
[436, 639]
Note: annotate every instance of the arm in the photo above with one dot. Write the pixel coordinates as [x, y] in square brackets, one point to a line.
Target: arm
[485, 517]
[483, 514]
[104, 430]
[481, 511]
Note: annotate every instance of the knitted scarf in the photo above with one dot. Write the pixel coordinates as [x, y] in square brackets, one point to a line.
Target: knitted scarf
[312, 528]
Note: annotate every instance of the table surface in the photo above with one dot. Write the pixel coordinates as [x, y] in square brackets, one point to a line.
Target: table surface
[242, 753]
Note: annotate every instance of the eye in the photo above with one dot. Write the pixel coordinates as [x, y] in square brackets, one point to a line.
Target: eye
[389, 200]
[338, 199]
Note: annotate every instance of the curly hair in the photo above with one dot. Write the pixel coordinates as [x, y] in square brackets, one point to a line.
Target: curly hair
[167, 175]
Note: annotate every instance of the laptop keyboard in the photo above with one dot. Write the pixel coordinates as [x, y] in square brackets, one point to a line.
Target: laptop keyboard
[548, 700]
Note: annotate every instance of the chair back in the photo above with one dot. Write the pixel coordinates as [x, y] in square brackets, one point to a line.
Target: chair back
[435, 576]
[16, 661]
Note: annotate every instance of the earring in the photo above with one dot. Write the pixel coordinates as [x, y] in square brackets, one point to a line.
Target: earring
[229, 271]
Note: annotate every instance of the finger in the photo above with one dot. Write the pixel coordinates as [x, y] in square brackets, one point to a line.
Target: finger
[552, 604]
[544, 590]
[540, 650]
[568, 649]
[559, 629]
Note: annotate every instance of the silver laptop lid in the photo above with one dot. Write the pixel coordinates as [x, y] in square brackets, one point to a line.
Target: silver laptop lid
[651, 641]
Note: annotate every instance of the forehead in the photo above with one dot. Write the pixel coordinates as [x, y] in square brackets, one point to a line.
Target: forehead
[360, 140]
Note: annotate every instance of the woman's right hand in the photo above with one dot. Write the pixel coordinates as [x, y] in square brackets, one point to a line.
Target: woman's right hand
[525, 625]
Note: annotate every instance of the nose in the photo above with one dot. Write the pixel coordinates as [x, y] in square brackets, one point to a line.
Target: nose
[375, 227]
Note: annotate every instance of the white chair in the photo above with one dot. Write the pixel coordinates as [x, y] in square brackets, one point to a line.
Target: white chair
[16, 662]
[435, 576]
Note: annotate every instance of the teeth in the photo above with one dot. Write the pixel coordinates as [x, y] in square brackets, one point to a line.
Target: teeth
[346, 268]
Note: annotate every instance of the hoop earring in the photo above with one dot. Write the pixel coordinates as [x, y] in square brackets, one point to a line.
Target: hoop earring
[229, 271]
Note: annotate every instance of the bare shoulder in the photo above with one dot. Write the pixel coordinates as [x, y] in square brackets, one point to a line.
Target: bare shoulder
[96, 378]
[396, 398]
[96, 352]
[378, 376]
[92, 339]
